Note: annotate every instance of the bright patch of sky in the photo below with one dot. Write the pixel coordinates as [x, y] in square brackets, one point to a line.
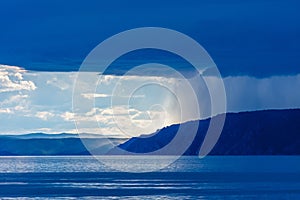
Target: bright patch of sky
[32, 101]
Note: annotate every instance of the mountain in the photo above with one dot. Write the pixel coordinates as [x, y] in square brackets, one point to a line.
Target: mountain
[53, 136]
[54, 144]
[269, 132]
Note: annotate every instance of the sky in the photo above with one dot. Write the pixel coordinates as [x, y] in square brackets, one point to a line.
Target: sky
[255, 45]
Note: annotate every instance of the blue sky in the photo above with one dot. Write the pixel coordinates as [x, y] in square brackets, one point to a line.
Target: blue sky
[255, 44]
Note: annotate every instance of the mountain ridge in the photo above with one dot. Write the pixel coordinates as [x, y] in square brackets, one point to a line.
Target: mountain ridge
[40, 144]
[40, 135]
[263, 132]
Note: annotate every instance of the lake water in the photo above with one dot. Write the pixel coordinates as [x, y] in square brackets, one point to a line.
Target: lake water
[214, 177]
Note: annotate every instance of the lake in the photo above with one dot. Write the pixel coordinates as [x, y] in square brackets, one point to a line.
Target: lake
[213, 177]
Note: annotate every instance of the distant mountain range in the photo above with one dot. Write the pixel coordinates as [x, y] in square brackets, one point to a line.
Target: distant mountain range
[270, 132]
[54, 144]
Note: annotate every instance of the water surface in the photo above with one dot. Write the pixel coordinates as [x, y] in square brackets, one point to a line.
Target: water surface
[230, 177]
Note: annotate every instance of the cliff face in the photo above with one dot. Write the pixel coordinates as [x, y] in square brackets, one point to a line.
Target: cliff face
[270, 132]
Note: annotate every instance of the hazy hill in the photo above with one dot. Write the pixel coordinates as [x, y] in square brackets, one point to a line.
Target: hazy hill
[53, 144]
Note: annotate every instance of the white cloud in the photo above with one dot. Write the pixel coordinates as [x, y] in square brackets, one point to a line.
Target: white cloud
[11, 79]
[68, 116]
[99, 95]
[95, 95]
[14, 99]
[44, 115]
[18, 103]
[131, 122]
[6, 111]
[60, 81]
[106, 131]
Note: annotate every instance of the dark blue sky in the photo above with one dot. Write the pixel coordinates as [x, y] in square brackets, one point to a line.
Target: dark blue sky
[256, 38]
